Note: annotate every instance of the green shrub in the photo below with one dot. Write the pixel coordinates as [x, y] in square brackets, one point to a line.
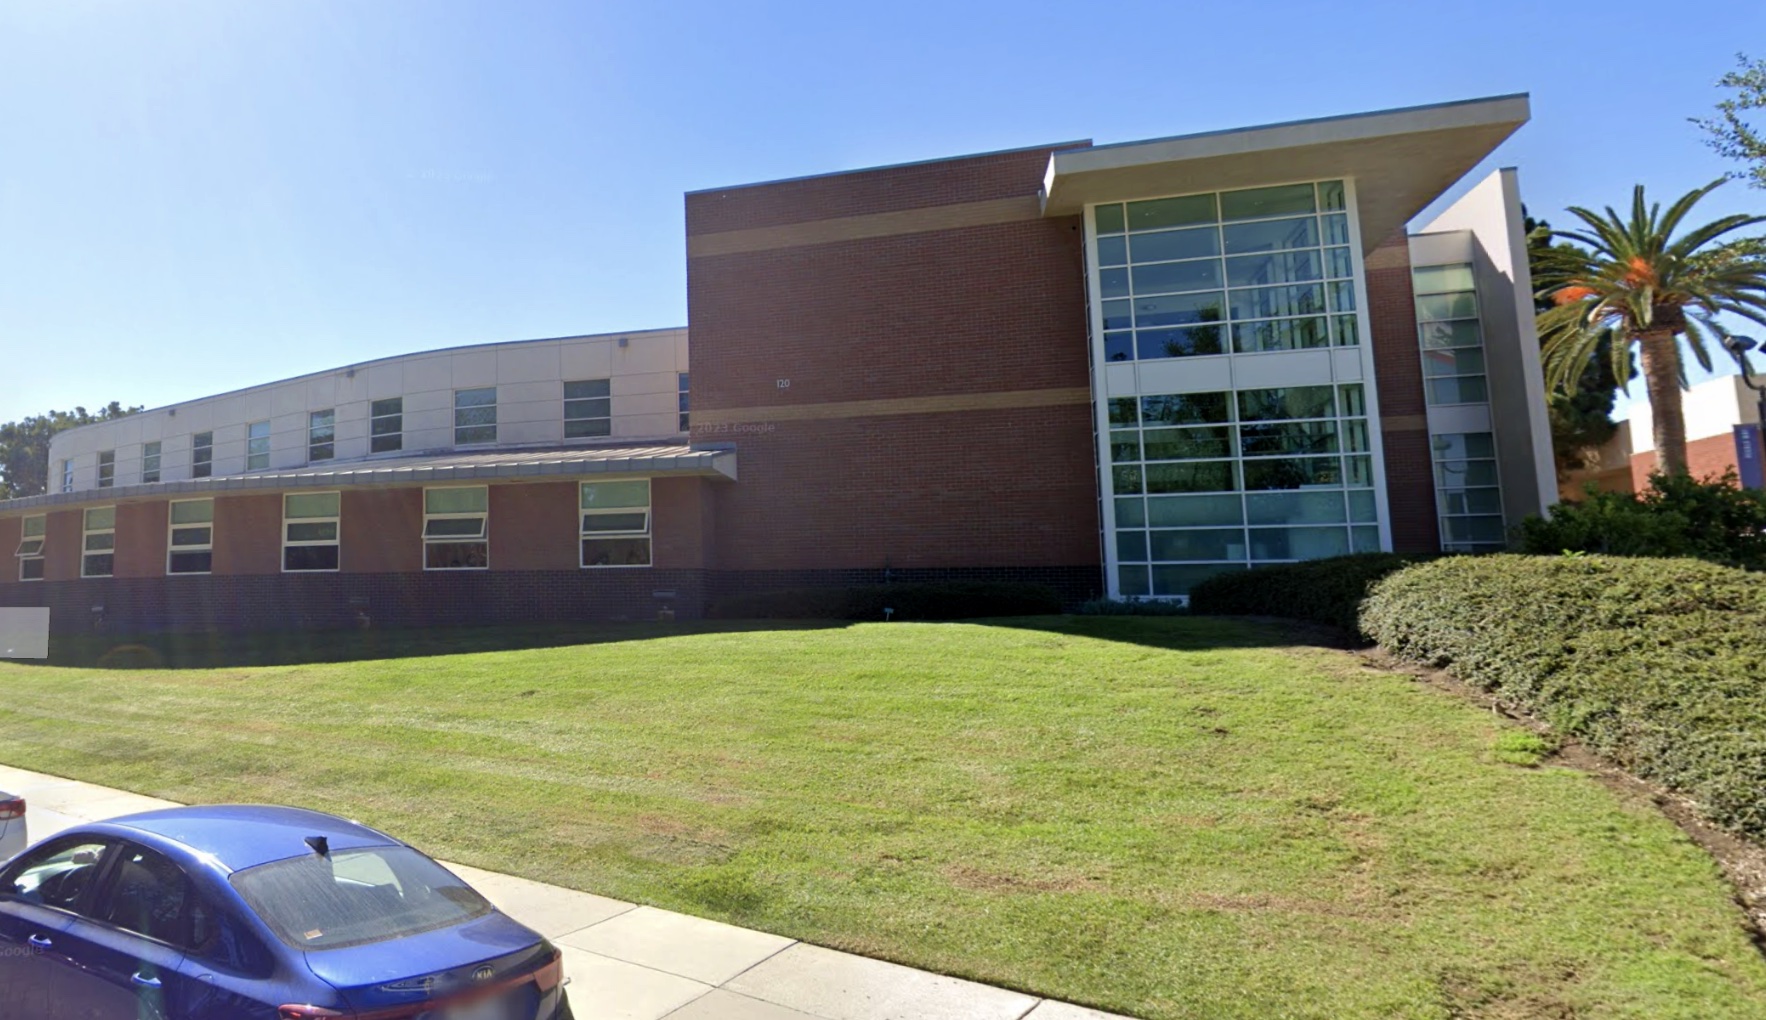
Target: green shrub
[1712, 520]
[955, 600]
[1132, 607]
[1658, 664]
[1322, 591]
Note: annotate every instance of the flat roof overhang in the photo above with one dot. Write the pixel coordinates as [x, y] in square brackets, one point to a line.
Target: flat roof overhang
[423, 469]
[1401, 160]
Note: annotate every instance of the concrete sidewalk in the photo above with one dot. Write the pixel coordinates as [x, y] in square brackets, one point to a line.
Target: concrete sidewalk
[627, 962]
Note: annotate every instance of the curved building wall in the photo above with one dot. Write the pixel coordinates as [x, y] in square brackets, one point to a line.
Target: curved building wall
[643, 371]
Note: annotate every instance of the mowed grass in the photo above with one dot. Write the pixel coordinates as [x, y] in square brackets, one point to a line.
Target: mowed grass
[1162, 817]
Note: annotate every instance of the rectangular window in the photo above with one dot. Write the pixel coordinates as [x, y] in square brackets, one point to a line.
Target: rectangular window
[1468, 492]
[1448, 330]
[456, 528]
[475, 416]
[67, 476]
[202, 454]
[149, 463]
[107, 468]
[616, 523]
[190, 546]
[386, 425]
[309, 531]
[683, 401]
[30, 548]
[321, 435]
[99, 542]
[257, 446]
[588, 409]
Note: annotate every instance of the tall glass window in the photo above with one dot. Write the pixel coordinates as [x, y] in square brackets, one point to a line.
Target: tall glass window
[190, 544]
[588, 408]
[257, 446]
[202, 455]
[1267, 269]
[1452, 341]
[1467, 491]
[386, 425]
[150, 462]
[30, 548]
[321, 434]
[1211, 482]
[99, 542]
[107, 468]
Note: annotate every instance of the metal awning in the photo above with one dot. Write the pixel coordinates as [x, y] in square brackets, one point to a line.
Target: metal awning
[1401, 160]
[425, 469]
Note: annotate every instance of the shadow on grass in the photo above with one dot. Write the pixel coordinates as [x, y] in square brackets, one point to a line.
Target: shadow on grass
[1185, 632]
[212, 650]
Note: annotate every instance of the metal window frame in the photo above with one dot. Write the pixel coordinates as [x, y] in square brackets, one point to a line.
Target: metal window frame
[608, 417]
[150, 476]
[584, 535]
[202, 467]
[496, 399]
[251, 453]
[172, 546]
[484, 531]
[289, 543]
[398, 436]
[24, 537]
[313, 444]
[104, 480]
[86, 532]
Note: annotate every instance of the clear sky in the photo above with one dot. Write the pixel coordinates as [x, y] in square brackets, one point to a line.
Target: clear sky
[203, 195]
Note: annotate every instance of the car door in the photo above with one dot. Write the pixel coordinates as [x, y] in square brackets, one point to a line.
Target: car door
[128, 939]
[40, 894]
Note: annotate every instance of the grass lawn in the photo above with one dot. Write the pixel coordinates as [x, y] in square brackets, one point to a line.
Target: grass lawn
[1163, 817]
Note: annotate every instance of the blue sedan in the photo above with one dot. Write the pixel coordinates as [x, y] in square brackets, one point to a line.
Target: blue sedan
[257, 913]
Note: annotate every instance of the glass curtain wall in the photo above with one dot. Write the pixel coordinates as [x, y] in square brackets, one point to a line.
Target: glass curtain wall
[1269, 269]
[1206, 482]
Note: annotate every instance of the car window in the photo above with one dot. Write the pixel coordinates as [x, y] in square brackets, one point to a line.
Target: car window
[147, 896]
[354, 897]
[56, 875]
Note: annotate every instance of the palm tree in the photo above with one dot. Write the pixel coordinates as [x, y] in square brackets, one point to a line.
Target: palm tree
[1649, 288]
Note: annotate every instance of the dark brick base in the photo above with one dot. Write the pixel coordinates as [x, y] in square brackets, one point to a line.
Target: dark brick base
[328, 601]
[299, 602]
[1073, 584]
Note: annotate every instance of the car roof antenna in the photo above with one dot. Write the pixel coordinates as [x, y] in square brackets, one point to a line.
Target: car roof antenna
[320, 845]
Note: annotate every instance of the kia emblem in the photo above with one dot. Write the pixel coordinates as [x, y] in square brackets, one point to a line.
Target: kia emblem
[483, 974]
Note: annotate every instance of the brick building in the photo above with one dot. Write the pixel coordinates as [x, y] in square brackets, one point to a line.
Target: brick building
[1114, 369]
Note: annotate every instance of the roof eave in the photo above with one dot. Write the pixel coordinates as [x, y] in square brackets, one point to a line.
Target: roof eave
[1401, 160]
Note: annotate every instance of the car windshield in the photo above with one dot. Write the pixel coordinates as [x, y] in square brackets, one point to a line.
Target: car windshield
[354, 897]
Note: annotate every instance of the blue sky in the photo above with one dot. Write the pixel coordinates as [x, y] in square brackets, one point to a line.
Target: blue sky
[198, 196]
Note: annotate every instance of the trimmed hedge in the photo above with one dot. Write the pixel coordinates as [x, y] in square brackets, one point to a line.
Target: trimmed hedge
[1322, 591]
[1658, 664]
[957, 600]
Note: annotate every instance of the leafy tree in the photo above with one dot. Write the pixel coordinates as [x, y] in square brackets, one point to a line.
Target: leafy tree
[24, 446]
[1649, 283]
[1729, 132]
[1582, 418]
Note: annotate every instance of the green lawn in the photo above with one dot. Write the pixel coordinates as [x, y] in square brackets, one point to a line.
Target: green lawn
[1164, 817]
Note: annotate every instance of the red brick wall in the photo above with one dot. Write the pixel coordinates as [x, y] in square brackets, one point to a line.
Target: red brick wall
[61, 549]
[11, 533]
[248, 534]
[534, 527]
[680, 522]
[1709, 457]
[956, 312]
[1410, 484]
[381, 531]
[141, 539]
[889, 189]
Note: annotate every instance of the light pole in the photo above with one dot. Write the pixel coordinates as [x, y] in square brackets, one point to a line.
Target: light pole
[1738, 348]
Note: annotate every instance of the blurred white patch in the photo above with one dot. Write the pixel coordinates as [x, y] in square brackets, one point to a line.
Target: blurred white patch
[24, 633]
